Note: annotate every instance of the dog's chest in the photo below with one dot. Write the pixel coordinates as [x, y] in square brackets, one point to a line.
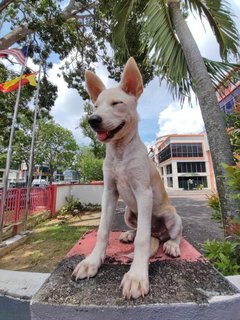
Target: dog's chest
[123, 181]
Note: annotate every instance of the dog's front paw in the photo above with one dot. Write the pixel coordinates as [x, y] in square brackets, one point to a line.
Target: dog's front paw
[127, 236]
[85, 269]
[134, 286]
[171, 248]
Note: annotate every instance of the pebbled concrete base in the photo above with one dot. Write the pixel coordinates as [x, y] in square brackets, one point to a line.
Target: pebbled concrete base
[183, 289]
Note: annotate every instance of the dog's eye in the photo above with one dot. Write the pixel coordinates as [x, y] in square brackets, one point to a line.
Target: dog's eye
[95, 107]
[114, 103]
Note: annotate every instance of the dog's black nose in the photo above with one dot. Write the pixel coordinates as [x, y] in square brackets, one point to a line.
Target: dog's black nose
[95, 121]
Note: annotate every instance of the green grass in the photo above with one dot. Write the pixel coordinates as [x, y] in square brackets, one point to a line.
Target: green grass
[45, 248]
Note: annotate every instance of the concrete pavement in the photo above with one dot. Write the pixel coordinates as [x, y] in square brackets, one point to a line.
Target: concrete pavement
[16, 290]
[21, 284]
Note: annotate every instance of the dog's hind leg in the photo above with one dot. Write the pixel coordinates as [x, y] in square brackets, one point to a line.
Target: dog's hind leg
[173, 223]
[128, 236]
[131, 221]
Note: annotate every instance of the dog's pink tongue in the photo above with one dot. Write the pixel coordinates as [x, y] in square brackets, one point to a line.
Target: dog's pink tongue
[102, 135]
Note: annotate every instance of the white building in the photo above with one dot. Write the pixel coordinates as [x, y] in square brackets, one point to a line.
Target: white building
[185, 161]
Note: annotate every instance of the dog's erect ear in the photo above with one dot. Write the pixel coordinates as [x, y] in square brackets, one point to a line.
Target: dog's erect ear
[131, 81]
[94, 85]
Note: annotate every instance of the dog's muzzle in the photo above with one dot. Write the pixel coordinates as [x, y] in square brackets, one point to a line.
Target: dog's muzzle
[95, 122]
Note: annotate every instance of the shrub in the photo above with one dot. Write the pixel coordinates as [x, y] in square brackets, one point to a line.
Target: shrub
[71, 206]
[214, 203]
[91, 168]
[74, 207]
[224, 255]
[233, 179]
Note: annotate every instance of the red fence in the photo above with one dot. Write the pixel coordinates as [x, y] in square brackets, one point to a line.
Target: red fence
[40, 199]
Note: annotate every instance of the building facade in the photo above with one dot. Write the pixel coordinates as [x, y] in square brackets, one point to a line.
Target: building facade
[229, 97]
[185, 162]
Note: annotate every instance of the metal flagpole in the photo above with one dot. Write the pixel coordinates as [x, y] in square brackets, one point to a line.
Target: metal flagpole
[30, 169]
[9, 154]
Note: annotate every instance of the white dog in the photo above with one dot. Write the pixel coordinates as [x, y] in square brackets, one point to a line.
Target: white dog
[130, 174]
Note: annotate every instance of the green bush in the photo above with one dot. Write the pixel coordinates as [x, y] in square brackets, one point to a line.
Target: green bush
[72, 204]
[233, 179]
[224, 255]
[233, 123]
[91, 168]
[214, 204]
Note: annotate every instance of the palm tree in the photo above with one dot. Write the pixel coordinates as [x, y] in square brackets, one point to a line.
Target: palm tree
[178, 60]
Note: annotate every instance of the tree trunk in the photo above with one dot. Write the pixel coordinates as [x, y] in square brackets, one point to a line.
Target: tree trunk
[213, 117]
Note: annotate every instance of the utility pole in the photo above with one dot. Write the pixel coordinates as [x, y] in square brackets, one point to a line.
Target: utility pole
[32, 151]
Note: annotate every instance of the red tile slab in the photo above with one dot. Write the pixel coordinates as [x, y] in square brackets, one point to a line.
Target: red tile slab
[119, 252]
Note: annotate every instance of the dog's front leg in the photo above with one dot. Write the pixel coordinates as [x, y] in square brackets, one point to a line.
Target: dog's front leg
[135, 282]
[89, 266]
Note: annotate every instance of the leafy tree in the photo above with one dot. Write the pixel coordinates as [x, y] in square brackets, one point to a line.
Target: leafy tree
[233, 124]
[23, 128]
[97, 148]
[79, 32]
[55, 147]
[179, 61]
[90, 166]
[22, 141]
[7, 102]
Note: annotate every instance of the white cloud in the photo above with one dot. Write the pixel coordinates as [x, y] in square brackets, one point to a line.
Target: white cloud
[68, 107]
[175, 119]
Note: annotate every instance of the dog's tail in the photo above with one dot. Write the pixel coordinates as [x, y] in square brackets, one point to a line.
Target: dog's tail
[154, 245]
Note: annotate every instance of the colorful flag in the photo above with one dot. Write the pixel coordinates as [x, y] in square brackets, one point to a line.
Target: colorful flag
[12, 85]
[19, 54]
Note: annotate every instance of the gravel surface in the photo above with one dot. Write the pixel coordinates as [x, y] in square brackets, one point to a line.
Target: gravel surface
[170, 282]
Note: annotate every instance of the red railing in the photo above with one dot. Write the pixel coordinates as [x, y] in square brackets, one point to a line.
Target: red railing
[40, 199]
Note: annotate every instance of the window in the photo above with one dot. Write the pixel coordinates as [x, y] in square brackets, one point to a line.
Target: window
[181, 150]
[169, 168]
[191, 167]
[186, 150]
[189, 183]
[165, 154]
[170, 182]
[162, 171]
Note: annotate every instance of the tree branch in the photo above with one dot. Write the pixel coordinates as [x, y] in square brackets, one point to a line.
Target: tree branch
[14, 36]
[70, 11]
[4, 4]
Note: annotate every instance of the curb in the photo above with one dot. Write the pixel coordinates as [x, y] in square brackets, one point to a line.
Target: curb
[21, 285]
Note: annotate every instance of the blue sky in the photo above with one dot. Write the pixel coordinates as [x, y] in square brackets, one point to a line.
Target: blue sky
[159, 114]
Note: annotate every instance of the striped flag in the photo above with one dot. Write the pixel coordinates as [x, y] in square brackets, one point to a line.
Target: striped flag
[12, 85]
[19, 54]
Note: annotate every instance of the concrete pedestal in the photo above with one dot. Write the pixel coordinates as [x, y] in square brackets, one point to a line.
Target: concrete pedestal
[184, 288]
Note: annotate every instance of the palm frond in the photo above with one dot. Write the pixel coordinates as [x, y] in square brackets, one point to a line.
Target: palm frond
[222, 72]
[121, 13]
[165, 49]
[219, 16]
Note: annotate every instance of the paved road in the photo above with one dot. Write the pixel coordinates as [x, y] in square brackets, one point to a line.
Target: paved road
[197, 223]
[12, 309]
